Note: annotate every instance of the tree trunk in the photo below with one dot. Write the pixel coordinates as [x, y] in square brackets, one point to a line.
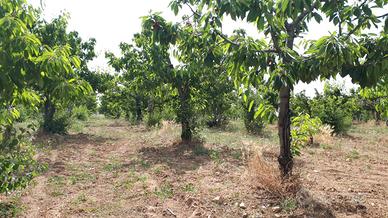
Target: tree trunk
[151, 106]
[49, 111]
[7, 133]
[284, 130]
[185, 115]
[377, 117]
[139, 114]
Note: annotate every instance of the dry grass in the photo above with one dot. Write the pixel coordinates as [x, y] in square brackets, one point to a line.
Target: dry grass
[266, 176]
[325, 136]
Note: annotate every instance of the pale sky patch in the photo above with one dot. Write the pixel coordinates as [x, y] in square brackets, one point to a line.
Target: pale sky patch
[115, 21]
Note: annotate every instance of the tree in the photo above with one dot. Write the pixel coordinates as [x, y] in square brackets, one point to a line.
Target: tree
[25, 62]
[63, 84]
[349, 51]
[194, 51]
[135, 76]
[217, 94]
[377, 100]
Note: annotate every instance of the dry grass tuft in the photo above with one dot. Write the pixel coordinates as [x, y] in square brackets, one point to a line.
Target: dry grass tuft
[325, 136]
[267, 177]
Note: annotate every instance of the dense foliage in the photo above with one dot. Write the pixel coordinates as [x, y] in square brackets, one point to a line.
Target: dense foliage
[38, 68]
[349, 51]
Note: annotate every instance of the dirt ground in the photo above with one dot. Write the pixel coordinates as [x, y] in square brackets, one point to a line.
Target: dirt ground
[108, 168]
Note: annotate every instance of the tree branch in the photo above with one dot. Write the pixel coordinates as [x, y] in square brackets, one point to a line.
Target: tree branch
[361, 23]
[192, 10]
[383, 15]
[297, 21]
[224, 37]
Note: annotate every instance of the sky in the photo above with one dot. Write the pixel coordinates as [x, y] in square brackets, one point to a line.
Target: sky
[114, 21]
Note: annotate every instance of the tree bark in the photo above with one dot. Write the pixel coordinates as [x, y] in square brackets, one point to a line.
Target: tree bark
[284, 131]
[7, 133]
[49, 111]
[284, 123]
[139, 114]
[185, 112]
[377, 117]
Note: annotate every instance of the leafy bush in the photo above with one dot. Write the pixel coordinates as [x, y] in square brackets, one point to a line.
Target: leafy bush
[17, 164]
[300, 104]
[153, 119]
[303, 129]
[81, 113]
[332, 110]
[168, 113]
[59, 124]
[253, 125]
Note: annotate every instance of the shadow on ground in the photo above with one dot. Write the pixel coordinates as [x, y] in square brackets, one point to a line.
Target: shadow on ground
[180, 157]
[73, 143]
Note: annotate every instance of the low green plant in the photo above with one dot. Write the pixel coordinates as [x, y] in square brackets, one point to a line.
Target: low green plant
[81, 177]
[81, 113]
[10, 209]
[288, 205]
[145, 164]
[189, 187]
[353, 154]
[17, 163]
[165, 191]
[303, 129]
[153, 119]
[215, 155]
[237, 154]
[113, 166]
[56, 185]
[81, 198]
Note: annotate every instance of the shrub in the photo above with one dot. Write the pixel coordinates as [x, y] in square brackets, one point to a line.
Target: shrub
[17, 164]
[168, 113]
[252, 125]
[81, 113]
[334, 111]
[334, 108]
[300, 104]
[59, 124]
[303, 129]
[153, 119]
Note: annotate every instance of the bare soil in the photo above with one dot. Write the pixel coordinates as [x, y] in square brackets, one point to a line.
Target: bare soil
[112, 169]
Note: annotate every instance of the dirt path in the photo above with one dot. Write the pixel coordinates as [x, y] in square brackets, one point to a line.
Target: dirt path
[115, 170]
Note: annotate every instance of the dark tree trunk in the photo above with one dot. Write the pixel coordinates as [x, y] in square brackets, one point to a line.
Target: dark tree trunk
[7, 133]
[49, 111]
[151, 106]
[284, 131]
[377, 117]
[139, 114]
[284, 123]
[185, 115]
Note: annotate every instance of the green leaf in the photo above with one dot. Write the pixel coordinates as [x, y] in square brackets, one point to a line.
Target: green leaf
[284, 5]
[317, 17]
[251, 105]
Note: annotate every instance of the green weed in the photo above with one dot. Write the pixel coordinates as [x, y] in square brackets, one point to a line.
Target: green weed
[165, 191]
